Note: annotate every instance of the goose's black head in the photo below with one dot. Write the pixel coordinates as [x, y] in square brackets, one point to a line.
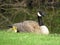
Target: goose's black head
[40, 13]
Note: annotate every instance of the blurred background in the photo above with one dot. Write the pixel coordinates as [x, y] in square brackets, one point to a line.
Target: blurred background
[14, 11]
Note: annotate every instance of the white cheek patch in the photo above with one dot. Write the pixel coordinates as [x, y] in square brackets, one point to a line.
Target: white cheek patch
[39, 14]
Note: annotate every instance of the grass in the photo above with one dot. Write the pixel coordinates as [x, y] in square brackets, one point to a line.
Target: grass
[11, 38]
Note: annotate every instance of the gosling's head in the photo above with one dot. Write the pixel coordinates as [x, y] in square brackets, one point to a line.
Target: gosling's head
[14, 28]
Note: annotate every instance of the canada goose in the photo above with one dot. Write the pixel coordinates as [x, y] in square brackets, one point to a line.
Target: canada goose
[31, 26]
[44, 29]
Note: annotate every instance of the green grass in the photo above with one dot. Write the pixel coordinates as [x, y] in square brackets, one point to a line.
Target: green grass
[11, 38]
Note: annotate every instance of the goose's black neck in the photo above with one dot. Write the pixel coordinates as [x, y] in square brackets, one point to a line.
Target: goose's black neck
[40, 21]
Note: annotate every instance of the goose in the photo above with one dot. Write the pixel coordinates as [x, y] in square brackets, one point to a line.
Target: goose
[26, 26]
[44, 29]
[31, 26]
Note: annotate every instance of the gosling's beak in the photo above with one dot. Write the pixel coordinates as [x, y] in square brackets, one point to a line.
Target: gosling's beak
[10, 26]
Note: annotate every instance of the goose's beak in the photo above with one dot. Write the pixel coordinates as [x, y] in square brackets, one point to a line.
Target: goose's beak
[43, 14]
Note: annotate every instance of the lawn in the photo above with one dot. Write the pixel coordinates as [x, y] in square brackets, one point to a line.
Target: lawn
[11, 38]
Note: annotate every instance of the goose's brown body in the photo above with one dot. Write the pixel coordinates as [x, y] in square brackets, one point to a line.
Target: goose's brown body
[28, 26]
